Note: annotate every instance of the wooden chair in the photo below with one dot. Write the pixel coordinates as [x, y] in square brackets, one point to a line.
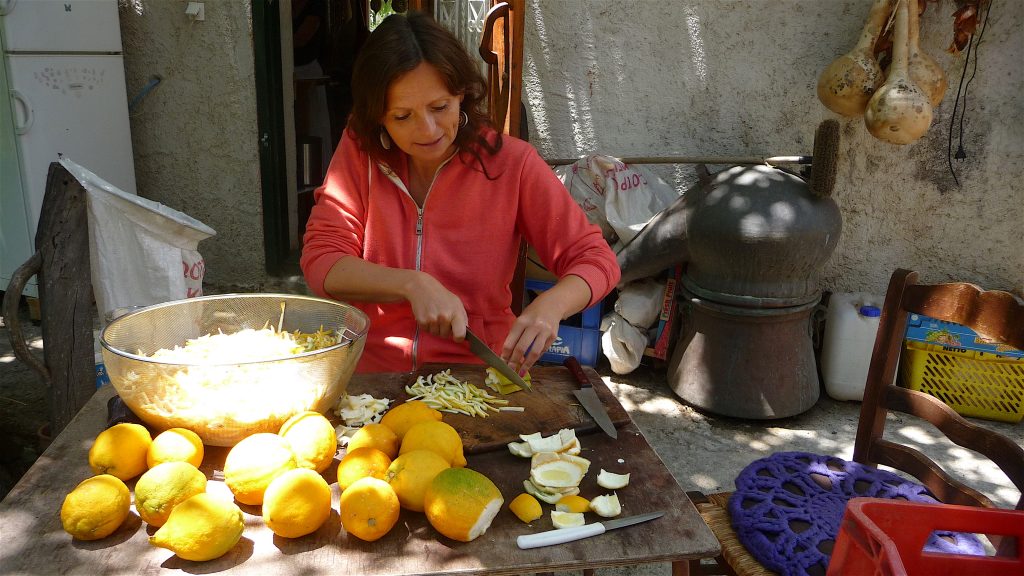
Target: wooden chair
[501, 47]
[994, 314]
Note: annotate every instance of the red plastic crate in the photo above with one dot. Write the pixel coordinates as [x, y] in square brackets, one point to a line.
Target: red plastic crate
[887, 537]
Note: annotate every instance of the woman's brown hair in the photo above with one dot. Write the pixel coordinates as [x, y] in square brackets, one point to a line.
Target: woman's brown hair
[397, 46]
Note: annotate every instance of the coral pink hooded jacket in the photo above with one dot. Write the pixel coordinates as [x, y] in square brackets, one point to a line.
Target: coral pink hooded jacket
[467, 235]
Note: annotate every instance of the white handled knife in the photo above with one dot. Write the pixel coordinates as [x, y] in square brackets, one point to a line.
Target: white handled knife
[563, 535]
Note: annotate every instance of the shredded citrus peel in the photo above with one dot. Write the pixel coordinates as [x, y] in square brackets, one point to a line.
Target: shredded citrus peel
[356, 412]
[444, 392]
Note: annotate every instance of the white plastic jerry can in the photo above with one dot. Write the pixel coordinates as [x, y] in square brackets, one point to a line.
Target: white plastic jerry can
[851, 325]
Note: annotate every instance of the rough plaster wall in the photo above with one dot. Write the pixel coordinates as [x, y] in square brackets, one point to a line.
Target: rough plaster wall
[738, 77]
[195, 135]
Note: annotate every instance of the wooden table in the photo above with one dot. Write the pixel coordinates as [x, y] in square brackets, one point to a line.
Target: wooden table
[33, 542]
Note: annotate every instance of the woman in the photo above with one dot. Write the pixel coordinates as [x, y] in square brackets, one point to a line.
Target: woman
[420, 218]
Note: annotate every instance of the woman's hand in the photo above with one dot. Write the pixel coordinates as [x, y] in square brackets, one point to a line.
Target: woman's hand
[537, 327]
[436, 309]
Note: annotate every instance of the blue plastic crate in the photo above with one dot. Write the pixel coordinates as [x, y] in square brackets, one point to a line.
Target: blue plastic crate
[579, 337]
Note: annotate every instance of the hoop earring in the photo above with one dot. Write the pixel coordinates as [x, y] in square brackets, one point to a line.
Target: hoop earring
[385, 139]
[463, 119]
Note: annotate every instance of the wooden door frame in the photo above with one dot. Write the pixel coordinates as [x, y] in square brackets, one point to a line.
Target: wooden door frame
[266, 24]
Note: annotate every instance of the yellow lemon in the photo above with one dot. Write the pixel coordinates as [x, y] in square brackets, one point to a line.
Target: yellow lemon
[121, 451]
[297, 503]
[410, 475]
[437, 437]
[163, 487]
[253, 464]
[201, 528]
[573, 503]
[96, 507]
[312, 439]
[369, 509]
[526, 508]
[404, 416]
[461, 503]
[360, 463]
[376, 436]
[176, 445]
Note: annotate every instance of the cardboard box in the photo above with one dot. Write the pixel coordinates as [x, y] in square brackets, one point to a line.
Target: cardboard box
[664, 335]
[578, 336]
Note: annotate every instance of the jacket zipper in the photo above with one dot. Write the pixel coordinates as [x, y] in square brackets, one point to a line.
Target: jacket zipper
[419, 230]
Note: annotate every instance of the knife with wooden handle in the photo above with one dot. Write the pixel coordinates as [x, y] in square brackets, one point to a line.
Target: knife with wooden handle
[588, 398]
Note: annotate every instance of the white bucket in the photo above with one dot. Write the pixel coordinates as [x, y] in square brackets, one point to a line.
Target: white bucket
[851, 325]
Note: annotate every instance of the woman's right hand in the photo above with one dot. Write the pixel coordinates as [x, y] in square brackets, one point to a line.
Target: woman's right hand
[436, 309]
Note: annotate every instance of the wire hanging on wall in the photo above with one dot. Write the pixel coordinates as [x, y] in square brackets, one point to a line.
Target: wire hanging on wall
[961, 153]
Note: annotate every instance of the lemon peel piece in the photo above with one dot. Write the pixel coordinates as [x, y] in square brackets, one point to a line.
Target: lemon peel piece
[545, 457]
[606, 506]
[526, 507]
[567, 519]
[545, 444]
[545, 496]
[612, 481]
[521, 449]
[572, 503]
[557, 474]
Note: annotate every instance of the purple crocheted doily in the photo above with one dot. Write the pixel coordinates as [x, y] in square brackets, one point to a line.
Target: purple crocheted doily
[787, 509]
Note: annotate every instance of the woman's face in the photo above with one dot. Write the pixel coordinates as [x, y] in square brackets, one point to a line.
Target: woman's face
[421, 115]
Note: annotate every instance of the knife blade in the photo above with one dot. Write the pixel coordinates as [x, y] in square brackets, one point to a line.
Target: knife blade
[588, 398]
[563, 535]
[477, 347]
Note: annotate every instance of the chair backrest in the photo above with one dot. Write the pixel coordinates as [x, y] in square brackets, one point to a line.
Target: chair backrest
[501, 47]
[994, 314]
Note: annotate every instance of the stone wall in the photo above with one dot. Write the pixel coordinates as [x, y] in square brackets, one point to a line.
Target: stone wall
[737, 78]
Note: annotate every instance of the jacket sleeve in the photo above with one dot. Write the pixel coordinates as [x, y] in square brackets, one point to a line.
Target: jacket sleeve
[556, 227]
[336, 223]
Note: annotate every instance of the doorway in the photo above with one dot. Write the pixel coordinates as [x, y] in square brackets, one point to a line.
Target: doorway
[305, 50]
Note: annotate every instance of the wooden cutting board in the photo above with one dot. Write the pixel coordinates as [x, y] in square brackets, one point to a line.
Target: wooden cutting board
[550, 407]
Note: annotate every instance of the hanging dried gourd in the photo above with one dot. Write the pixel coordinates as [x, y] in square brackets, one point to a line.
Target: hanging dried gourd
[899, 112]
[846, 85]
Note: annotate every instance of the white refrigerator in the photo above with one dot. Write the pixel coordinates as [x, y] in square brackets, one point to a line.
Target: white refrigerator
[65, 94]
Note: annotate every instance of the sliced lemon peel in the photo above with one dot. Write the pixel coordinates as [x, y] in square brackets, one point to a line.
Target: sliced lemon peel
[564, 441]
[612, 481]
[444, 392]
[544, 496]
[357, 411]
[497, 382]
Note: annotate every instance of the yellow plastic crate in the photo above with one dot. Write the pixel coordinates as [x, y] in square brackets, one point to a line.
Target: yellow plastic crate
[974, 383]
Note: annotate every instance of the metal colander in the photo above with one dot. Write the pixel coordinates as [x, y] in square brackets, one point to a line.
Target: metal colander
[222, 400]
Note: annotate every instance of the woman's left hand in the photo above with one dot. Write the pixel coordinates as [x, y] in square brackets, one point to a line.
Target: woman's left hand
[537, 327]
